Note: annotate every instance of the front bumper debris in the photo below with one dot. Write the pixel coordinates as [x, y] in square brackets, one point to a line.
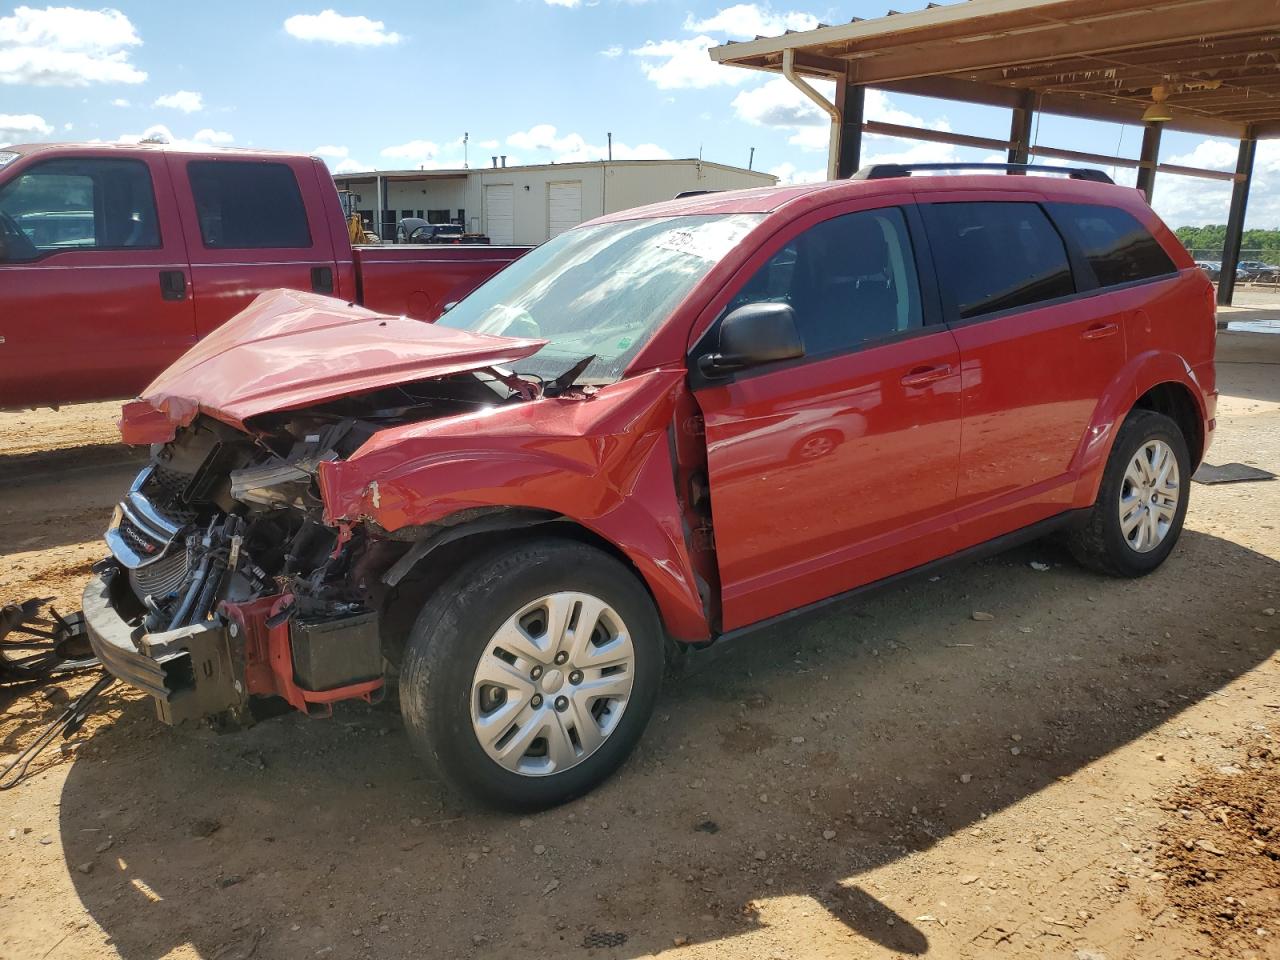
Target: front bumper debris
[189, 671]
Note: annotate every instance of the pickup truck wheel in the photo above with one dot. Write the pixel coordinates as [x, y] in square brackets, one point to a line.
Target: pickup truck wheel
[1142, 501]
[529, 677]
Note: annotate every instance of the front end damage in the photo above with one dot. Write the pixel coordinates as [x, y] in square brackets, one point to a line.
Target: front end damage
[309, 455]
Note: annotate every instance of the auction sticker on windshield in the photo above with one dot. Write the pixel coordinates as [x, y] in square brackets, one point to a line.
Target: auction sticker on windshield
[706, 241]
[8, 156]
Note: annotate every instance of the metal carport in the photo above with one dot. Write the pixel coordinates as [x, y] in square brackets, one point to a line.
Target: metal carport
[1201, 66]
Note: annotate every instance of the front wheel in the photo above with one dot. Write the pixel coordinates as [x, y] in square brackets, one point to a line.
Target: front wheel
[1142, 500]
[530, 676]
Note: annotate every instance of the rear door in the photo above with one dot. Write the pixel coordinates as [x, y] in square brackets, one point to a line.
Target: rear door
[94, 285]
[252, 225]
[1036, 351]
[839, 468]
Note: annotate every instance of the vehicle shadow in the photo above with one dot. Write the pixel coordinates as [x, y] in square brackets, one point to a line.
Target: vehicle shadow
[787, 766]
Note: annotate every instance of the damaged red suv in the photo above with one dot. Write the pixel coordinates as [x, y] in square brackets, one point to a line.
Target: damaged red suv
[658, 430]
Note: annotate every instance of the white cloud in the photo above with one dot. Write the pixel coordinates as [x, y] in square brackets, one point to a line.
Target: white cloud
[1183, 201]
[676, 64]
[329, 26]
[415, 153]
[213, 137]
[67, 47]
[120, 102]
[487, 144]
[331, 152]
[188, 101]
[611, 52]
[751, 20]
[789, 173]
[349, 166]
[22, 127]
[573, 147]
[564, 3]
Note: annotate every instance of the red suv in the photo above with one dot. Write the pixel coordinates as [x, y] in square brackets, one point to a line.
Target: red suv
[660, 429]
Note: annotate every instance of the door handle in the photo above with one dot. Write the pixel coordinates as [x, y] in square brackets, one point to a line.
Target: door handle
[322, 280]
[922, 376]
[173, 285]
[1100, 330]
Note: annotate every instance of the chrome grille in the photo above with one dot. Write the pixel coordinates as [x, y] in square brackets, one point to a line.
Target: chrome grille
[140, 534]
[162, 578]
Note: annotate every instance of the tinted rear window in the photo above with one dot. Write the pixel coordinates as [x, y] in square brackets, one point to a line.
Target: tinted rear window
[1117, 246]
[997, 256]
[246, 205]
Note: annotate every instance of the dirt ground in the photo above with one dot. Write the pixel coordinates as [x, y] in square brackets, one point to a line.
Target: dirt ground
[1093, 773]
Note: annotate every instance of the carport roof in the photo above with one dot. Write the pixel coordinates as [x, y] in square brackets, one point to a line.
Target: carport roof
[1218, 60]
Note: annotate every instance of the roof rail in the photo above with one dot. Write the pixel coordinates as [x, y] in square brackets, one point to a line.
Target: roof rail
[694, 193]
[885, 171]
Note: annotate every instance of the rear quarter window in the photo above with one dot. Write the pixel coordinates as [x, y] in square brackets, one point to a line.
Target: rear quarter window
[245, 205]
[1117, 247]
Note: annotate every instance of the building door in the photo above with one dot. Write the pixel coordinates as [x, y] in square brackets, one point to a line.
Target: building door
[499, 213]
[564, 207]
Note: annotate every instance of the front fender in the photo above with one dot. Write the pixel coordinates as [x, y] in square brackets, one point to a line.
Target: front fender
[1140, 374]
[603, 462]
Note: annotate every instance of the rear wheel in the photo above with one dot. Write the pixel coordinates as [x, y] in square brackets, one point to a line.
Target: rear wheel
[530, 676]
[1142, 501]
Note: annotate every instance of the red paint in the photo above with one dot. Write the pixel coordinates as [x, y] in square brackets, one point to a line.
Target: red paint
[291, 349]
[268, 667]
[92, 324]
[823, 475]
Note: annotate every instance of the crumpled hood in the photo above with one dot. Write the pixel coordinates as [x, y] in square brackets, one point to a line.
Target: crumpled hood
[289, 349]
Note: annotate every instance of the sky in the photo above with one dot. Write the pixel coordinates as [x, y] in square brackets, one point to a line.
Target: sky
[398, 84]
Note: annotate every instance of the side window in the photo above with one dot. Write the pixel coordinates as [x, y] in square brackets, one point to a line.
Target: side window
[244, 205]
[849, 279]
[997, 256]
[78, 204]
[1117, 246]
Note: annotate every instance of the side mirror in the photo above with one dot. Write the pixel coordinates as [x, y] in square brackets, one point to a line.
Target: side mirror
[754, 334]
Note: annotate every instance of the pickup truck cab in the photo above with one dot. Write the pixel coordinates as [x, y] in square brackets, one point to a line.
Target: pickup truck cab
[656, 431]
[116, 259]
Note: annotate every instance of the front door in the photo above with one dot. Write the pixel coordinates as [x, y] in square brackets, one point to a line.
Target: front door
[837, 469]
[94, 279]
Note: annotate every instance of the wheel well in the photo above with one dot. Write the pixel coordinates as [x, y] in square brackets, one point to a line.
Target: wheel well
[402, 602]
[1176, 402]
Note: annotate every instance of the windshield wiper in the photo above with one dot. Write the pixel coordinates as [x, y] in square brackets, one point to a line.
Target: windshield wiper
[567, 379]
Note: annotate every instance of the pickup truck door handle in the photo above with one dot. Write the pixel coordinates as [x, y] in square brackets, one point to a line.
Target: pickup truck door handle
[922, 376]
[1100, 330]
[322, 279]
[173, 285]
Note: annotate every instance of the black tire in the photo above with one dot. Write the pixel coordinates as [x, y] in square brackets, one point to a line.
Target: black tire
[454, 628]
[1099, 542]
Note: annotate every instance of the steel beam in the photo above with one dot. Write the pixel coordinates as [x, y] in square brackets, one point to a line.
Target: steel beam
[850, 101]
[1020, 128]
[1235, 219]
[1149, 159]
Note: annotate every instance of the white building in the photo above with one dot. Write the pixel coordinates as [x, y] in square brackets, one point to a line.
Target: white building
[527, 205]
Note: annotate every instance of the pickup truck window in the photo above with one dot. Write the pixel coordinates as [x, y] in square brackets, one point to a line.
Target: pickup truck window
[78, 204]
[997, 256]
[850, 280]
[248, 206]
[599, 290]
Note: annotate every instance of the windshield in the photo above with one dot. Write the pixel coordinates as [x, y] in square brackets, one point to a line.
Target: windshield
[599, 290]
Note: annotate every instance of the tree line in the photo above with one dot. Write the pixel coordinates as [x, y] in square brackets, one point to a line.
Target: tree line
[1255, 245]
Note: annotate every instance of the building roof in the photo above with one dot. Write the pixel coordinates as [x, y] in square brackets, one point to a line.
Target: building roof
[527, 168]
[1217, 60]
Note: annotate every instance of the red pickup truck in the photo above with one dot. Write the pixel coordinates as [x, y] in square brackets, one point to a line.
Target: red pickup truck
[115, 259]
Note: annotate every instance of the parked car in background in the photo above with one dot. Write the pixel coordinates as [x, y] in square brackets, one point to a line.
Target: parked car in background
[116, 259]
[415, 230]
[1212, 269]
[660, 429]
[1256, 270]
